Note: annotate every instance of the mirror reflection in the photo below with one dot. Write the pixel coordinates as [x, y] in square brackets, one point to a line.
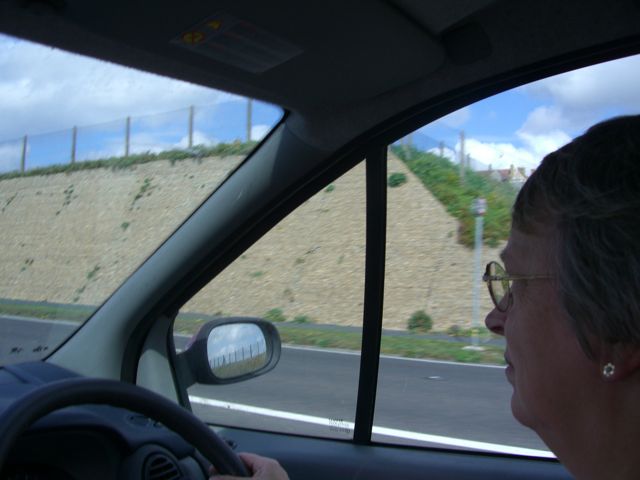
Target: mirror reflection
[236, 349]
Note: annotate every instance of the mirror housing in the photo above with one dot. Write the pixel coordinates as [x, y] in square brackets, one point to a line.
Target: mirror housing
[229, 350]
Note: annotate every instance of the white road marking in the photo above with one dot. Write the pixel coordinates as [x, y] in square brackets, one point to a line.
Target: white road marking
[389, 432]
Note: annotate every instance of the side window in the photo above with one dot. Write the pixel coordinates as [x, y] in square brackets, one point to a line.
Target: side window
[306, 276]
[451, 187]
[439, 363]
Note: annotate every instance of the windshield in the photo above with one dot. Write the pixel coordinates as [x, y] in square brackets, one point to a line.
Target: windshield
[99, 164]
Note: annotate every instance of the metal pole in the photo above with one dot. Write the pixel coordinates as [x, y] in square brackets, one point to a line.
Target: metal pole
[477, 265]
[191, 126]
[74, 137]
[462, 155]
[23, 158]
[249, 119]
[441, 146]
[127, 136]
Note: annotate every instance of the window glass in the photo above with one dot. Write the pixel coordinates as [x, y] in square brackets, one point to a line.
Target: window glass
[451, 187]
[306, 276]
[99, 164]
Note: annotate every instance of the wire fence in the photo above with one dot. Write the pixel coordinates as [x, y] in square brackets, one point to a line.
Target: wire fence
[205, 125]
[457, 153]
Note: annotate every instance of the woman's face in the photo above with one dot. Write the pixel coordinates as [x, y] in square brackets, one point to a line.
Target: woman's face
[550, 374]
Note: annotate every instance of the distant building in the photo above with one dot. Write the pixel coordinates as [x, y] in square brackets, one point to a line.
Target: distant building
[515, 176]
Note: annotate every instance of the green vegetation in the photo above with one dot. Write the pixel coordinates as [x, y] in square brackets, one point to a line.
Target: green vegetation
[116, 163]
[9, 200]
[396, 179]
[124, 226]
[145, 189]
[330, 188]
[442, 178]
[256, 274]
[275, 315]
[27, 263]
[93, 272]
[404, 346]
[236, 369]
[68, 196]
[420, 322]
[45, 310]
[290, 333]
[302, 319]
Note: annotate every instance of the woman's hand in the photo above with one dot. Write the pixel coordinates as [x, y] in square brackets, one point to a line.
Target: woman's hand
[261, 468]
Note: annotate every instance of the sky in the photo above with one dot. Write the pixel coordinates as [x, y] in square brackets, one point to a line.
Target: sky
[522, 125]
[44, 92]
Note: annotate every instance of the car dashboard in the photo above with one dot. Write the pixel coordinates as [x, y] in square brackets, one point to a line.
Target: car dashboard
[91, 441]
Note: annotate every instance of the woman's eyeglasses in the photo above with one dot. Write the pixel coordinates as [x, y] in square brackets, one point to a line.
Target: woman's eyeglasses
[499, 284]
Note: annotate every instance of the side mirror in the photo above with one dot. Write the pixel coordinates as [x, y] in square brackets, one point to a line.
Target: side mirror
[230, 350]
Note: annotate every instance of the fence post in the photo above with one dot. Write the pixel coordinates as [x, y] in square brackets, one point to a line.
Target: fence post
[74, 137]
[441, 147]
[127, 136]
[249, 120]
[462, 155]
[23, 158]
[191, 126]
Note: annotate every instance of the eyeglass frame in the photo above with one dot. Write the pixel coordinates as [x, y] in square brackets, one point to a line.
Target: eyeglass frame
[509, 278]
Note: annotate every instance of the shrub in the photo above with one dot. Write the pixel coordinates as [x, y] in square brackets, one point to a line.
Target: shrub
[302, 319]
[442, 178]
[330, 188]
[455, 331]
[396, 179]
[420, 322]
[275, 315]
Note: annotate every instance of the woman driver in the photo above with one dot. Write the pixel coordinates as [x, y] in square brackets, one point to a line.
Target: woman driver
[568, 304]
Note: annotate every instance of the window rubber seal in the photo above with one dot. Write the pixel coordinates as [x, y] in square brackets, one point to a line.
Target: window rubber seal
[376, 224]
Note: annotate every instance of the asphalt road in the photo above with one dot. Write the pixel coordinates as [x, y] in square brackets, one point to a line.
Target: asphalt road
[314, 392]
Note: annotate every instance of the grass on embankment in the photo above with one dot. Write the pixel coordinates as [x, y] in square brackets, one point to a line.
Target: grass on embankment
[404, 345]
[115, 163]
[442, 178]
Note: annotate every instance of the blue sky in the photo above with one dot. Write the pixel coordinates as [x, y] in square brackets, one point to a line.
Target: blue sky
[44, 90]
[520, 126]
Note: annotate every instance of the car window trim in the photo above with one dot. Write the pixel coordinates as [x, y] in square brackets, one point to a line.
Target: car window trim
[376, 224]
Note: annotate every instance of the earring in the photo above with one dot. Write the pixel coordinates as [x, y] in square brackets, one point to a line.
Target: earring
[608, 370]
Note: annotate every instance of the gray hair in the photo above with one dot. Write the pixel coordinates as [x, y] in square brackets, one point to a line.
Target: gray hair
[589, 191]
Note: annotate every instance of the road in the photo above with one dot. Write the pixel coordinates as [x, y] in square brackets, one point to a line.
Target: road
[313, 392]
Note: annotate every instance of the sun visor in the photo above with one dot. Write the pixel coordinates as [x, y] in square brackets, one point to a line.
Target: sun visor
[287, 41]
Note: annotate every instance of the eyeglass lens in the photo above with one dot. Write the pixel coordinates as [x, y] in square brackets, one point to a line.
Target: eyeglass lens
[499, 288]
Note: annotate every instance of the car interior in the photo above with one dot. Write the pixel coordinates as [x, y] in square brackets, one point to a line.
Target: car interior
[351, 79]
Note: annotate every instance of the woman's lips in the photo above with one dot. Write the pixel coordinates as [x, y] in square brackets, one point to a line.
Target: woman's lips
[509, 370]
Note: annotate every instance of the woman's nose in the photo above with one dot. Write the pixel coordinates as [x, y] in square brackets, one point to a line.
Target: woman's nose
[495, 321]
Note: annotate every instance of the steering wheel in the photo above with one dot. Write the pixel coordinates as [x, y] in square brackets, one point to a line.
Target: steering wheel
[78, 391]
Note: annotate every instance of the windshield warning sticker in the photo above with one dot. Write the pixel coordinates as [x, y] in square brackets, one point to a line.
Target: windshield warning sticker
[193, 38]
[229, 40]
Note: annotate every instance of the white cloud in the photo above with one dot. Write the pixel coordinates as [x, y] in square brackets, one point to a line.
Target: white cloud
[542, 144]
[613, 83]
[10, 154]
[499, 155]
[44, 89]
[578, 99]
[447, 153]
[199, 138]
[258, 132]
